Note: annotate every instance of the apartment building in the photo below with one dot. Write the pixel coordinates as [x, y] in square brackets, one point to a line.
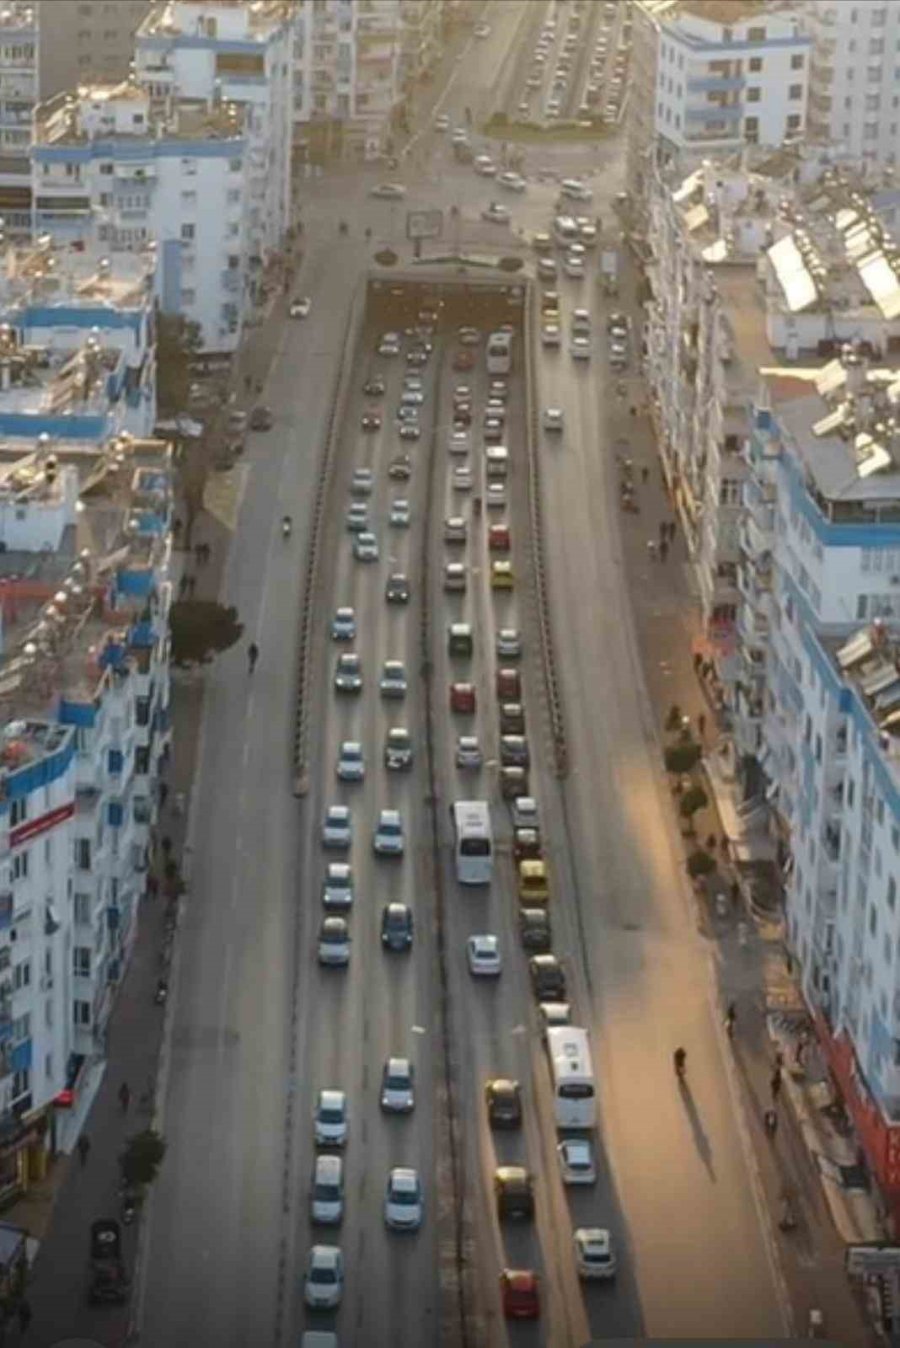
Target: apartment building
[710, 76]
[854, 93]
[86, 40]
[116, 170]
[241, 55]
[817, 707]
[19, 47]
[83, 726]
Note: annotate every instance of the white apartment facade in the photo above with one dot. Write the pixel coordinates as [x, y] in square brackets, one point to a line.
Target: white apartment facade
[710, 77]
[238, 55]
[817, 709]
[19, 51]
[854, 97]
[117, 171]
[85, 719]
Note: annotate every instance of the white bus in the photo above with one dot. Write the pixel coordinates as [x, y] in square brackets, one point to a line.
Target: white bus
[571, 1076]
[473, 844]
[499, 353]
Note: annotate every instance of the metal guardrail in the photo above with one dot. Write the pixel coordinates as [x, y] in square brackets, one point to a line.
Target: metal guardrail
[538, 552]
[308, 603]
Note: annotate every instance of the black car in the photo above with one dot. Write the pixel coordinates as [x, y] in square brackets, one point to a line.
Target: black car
[504, 1103]
[374, 387]
[514, 751]
[514, 1191]
[396, 927]
[547, 978]
[261, 419]
[371, 421]
[462, 415]
[400, 468]
[397, 591]
[534, 929]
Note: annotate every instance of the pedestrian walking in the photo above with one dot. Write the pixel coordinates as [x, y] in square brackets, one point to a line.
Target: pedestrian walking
[730, 1019]
[735, 893]
[663, 550]
[166, 845]
[775, 1084]
[206, 553]
[672, 531]
[645, 473]
[778, 1060]
[701, 724]
[182, 587]
[770, 1122]
[84, 1147]
[651, 549]
[23, 1311]
[788, 962]
[800, 1048]
[124, 1096]
[163, 794]
[663, 532]
[191, 586]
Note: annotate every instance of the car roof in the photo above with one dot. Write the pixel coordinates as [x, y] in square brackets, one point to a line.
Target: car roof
[576, 1145]
[389, 817]
[513, 1174]
[397, 909]
[520, 1279]
[339, 811]
[397, 1065]
[338, 870]
[333, 1099]
[404, 1177]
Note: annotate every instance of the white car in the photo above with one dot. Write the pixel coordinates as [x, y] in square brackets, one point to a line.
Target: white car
[351, 764]
[389, 344]
[365, 547]
[483, 955]
[398, 1086]
[573, 266]
[575, 190]
[580, 347]
[468, 753]
[363, 481]
[455, 529]
[300, 307]
[337, 828]
[327, 1193]
[357, 517]
[513, 182]
[554, 107]
[553, 419]
[509, 643]
[462, 477]
[442, 122]
[403, 1204]
[324, 1284]
[334, 942]
[388, 191]
[576, 1161]
[485, 165]
[400, 514]
[551, 335]
[547, 269]
[581, 321]
[594, 1254]
[343, 624]
[387, 840]
[337, 887]
[496, 213]
[393, 682]
[482, 30]
[459, 442]
[525, 813]
[495, 496]
[331, 1120]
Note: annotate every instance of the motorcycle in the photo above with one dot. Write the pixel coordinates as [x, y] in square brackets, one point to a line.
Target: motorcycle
[130, 1203]
[286, 526]
[162, 992]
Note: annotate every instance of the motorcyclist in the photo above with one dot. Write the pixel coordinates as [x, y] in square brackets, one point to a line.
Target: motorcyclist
[679, 1057]
[287, 525]
[252, 655]
[730, 1019]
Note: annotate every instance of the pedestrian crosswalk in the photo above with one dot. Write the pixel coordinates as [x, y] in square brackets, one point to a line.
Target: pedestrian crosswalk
[224, 492]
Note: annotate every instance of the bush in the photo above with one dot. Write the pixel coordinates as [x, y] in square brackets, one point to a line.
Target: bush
[142, 1157]
[681, 758]
[693, 800]
[201, 629]
[673, 720]
[386, 258]
[700, 863]
[510, 264]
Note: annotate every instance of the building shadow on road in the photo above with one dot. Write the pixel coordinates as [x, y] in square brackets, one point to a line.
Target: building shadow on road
[701, 1141]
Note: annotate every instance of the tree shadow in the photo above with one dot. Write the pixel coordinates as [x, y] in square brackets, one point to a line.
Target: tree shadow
[701, 1141]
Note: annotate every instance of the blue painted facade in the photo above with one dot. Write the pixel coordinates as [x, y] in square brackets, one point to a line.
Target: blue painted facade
[49, 768]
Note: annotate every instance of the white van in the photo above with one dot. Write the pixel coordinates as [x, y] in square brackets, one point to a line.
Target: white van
[326, 1199]
[496, 458]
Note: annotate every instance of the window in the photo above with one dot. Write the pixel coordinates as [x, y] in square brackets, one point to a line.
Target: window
[21, 1083]
[730, 489]
[796, 63]
[142, 760]
[756, 34]
[81, 1013]
[188, 296]
[189, 198]
[20, 866]
[82, 907]
[873, 919]
[22, 975]
[751, 127]
[188, 232]
[81, 961]
[83, 854]
[189, 168]
[795, 91]
[794, 121]
[755, 65]
[18, 811]
[876, 46]
[753, 94]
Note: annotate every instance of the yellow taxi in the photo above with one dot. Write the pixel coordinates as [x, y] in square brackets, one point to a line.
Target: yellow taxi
[502, 577]
[534, 887]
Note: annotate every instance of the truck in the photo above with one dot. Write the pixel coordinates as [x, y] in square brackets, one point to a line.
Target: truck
[107, 1276]
[609, 270]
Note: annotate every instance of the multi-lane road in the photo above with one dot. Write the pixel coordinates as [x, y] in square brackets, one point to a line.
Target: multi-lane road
[259, 1027]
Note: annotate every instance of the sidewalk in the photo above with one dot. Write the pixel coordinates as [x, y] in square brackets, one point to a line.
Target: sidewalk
[58, 1212]
[807, 1157]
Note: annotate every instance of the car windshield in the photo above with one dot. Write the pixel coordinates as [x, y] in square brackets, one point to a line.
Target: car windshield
[325, 1192]
[323, 1275]
[331, 1114]
[404, 1197]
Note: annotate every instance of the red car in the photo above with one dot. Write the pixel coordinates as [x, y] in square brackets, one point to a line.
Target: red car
[498, 538]
[464, 360]
[519, 1293]
[509, 685]
[462, 698]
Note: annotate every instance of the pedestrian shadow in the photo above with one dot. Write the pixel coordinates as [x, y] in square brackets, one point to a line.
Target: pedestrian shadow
[701, 1141]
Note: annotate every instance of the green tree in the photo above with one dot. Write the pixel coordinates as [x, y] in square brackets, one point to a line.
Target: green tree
[700, 863]
[511, 264]
[694, 799]
[681, 758]
[142, 1157]
[201, 629]
[386, 257]
[177, 340]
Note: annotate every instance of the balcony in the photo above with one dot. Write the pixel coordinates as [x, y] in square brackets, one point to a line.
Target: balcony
[753, 626]
[756, 542]
[721, 84]
[712, 112]
[831, 843]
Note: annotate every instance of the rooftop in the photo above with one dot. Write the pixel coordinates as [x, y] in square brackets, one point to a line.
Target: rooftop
[14, 17]
[90, 114]
[42, 381]
[45, 274]
[231, 19]
[23, 742]
[870, 661]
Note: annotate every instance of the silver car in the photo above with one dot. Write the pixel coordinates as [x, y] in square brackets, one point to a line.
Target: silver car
[468, 752]
[351, 764]
[337, 828]
[393, 679]
[331, 1122]
[388, 840]
[365, 547]
[397, 1086]
[337, 887]
[334, 942]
